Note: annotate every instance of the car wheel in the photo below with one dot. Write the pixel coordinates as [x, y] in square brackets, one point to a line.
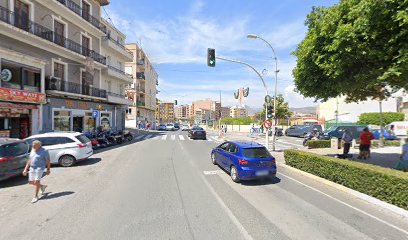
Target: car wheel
[213, 159]
[67, 161]
[234, 174]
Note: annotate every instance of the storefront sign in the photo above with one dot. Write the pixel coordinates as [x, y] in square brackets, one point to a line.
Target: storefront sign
[9, 94]
[6, 75]
[95, 114]
[4, 134]
[17, 106]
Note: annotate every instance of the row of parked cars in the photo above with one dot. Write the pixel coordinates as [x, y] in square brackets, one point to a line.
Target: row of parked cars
[65, 149]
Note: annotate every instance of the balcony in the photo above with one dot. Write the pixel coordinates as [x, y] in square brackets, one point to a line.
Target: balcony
[60, 87]
[141, 76]
[74, 7]
[38, 30]
[118, 98]
[120, 74]
[140, 104]
[118, 46]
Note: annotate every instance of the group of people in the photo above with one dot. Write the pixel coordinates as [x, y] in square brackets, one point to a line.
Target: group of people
[223, 130]
[144, 125]
[365, 143]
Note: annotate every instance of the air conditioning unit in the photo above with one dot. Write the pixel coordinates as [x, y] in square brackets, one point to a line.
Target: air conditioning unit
[55, 83]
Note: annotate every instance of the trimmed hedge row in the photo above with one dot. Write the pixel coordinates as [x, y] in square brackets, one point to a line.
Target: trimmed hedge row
[387, 143]
[318, 143]
[385, 184]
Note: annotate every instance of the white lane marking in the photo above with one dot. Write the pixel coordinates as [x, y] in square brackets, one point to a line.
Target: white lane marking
[181, 137]
[148, 136]
[139, 137]
[214, 172]
[209, 139]
[228, 211]
[346, 204]
[164, 137]
[173, 137]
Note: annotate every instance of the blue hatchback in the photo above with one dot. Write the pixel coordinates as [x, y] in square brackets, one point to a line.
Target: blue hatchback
[244, 160]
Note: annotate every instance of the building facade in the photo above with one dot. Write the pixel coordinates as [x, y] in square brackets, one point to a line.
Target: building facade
[238, 112]
[182, 112]
[225, 112]
[142, 92]
[54, 47]
[165, 112]
[208, 104]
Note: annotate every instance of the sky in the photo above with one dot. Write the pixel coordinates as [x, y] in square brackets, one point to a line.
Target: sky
[176, 34]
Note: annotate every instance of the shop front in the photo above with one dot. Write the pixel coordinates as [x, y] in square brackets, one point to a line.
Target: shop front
[80, 116]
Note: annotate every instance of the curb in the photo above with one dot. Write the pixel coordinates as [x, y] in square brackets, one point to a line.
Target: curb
[397, 210]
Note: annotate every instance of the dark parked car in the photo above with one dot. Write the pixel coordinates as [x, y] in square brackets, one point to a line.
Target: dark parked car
[338, 131]
[177, 126]
[244, 160]
[197, 133]
[301, 130]
[13, 157]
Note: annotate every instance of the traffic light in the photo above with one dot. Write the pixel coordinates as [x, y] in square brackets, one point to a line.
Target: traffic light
[211, 57]
[175, 102]
[270, 112]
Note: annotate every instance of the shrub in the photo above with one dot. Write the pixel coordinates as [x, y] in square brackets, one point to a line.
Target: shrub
[374, 118]
[387, 143]
[237, 121]
[388, 185]
[318, 143]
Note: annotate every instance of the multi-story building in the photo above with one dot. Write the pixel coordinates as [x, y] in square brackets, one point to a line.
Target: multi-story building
[53, 47]
[203, 116]
[165, 112]
[142, 92]
[114, 77]
[238, 112]
[208, 104]
[182, 112]
[225, 112]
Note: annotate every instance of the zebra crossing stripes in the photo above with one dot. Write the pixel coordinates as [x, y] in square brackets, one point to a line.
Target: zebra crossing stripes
[174, 138]
[181, 137]
[164, 137]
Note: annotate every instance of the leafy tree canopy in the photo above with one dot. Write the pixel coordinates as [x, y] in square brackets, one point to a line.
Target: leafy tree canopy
[374, 118]
[353, 48]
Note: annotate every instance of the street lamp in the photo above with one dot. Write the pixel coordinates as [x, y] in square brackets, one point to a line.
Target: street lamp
[253, 36]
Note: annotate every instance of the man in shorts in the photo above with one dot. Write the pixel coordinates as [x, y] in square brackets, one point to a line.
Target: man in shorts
[36, 164]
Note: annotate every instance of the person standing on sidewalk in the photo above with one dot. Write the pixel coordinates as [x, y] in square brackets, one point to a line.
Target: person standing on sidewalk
[36, 164]
[403, 163]
[348, 139]
[365, 143]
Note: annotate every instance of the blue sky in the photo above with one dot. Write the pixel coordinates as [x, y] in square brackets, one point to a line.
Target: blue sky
[176, 34]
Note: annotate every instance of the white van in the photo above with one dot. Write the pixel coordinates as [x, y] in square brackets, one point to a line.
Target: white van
[399, 128]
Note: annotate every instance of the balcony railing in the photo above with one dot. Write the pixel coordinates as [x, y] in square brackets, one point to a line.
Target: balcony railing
[25, 24]
[119, 71]
[140, 75]
[109, 38]
[55, 84]
[119, 95]
[140, 103]
[71, 5]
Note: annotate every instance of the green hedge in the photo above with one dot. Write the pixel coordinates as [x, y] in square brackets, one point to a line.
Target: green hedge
[387, 143]
[318, 143]
[388, 185]
[374, 118]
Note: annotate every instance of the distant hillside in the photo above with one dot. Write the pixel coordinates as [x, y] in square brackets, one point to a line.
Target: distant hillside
[304, 110]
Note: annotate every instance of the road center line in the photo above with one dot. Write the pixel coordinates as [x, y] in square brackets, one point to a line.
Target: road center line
[346, 204]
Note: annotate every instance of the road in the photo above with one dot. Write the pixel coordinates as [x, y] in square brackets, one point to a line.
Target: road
[164, 186]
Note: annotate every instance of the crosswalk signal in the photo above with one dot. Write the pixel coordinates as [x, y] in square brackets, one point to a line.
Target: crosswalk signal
[211, 57]
[175, 102]
[270, 112]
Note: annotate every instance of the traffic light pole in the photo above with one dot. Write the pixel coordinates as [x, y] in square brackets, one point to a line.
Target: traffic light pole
[266, 90]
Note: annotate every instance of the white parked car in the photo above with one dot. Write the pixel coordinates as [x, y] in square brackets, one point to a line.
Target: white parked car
[170, 127]
[185, 128]
[65, 148]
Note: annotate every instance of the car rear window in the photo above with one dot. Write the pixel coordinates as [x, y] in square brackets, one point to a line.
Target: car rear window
[259, 152]
[13, 149]
[82, 138]
[198, 128]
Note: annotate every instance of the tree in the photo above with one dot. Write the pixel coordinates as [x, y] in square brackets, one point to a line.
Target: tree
[374, 118]
[354, 48]
[282, 108]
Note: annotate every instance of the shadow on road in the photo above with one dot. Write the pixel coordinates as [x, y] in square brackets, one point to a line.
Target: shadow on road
[89, 161]
[50, 195]
[261, 182]
[13, 182]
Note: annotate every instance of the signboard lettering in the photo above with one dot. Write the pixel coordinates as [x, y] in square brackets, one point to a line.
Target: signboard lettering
[16, 95]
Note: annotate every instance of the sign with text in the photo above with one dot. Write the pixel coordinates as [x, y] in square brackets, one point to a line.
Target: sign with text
[17, 95]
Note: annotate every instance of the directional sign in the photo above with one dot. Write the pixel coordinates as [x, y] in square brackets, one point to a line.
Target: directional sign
[267, 123]
[268, 99]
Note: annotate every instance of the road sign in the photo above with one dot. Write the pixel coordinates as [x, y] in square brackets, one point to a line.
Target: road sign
[268, 99]
[267, 123]
[95, 114]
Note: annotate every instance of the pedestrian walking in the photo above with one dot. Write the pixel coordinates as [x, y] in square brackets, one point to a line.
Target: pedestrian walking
[403, 163]
[347, 139]
[365, 143]
[39, 160]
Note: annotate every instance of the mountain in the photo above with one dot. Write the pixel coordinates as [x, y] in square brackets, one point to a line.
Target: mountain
[304, 110]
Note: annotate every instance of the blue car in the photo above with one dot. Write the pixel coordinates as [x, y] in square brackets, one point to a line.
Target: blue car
[244, 160]
[387, 134]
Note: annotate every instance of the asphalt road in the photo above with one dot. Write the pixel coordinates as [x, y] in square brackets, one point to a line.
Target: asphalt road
[164, 186]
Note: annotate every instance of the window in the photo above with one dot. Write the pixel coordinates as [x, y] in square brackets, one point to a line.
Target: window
[22, 77]
[224, 146]
[86, 10]
[129, 70]
[14, 149]
[85, 46]
[260, 152]
[82, 138]
[64, 140]
[62, 120]
[22, 15]
[59, 72]
[232, 148]
[31, 79]
[59, 33]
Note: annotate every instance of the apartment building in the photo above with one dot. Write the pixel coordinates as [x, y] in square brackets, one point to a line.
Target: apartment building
[208, 104]
[142, 92]
[165, 112]
[54, 47]
[203, 116]
[238, 112]
[114, 77]
[225, 112]
[182, 112]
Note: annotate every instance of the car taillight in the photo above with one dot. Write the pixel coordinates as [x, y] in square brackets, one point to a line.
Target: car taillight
[82, 145]
[242, 162]
[194, 132]
[3, 159]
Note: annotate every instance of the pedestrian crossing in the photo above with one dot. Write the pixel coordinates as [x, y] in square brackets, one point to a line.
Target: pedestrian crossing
[174, 138]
